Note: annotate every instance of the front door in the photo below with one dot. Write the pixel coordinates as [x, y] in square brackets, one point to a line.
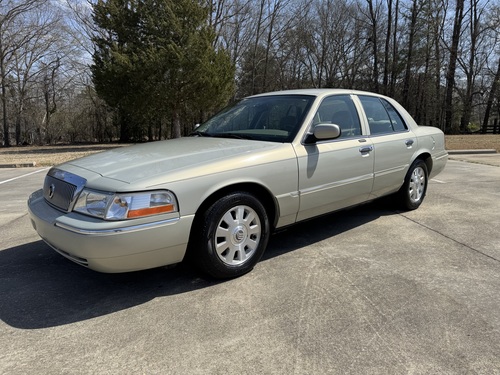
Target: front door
[337, 173]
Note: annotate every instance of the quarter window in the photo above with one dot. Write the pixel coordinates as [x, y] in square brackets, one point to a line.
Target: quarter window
[382, 116]
[397, 122]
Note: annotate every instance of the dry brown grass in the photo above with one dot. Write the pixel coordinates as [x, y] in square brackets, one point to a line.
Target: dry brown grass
[52, 155]
[473, 142]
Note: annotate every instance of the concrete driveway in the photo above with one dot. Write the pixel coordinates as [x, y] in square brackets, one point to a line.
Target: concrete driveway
[365, 291]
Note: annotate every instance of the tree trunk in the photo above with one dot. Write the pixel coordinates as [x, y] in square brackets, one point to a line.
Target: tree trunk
[469, 92]
[255, 48]
[451, 127]
[437, 105]
[125, 126]
[409, 60]
[491, 97]
[276, 9]
[387, 46]
[392, 85]
[6, 137]
[176, 129]
[18, 126]
[374, 40]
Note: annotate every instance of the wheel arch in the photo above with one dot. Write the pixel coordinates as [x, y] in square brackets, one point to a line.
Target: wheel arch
[427, 159]
[260, 192]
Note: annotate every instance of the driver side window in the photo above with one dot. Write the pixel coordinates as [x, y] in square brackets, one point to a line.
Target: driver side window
[339, 110]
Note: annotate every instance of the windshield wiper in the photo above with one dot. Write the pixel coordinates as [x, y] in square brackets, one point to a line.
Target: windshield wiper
[220, 135]
[200, 134]
[233, 135]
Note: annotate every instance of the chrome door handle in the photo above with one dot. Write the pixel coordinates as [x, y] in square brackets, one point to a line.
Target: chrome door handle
[409, 142]
[365, 149]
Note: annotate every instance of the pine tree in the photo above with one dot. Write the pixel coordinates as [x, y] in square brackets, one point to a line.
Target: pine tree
[154, 59]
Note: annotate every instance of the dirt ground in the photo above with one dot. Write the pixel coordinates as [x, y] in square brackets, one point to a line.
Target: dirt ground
[473, 142]
[56, 154]
[50, 155]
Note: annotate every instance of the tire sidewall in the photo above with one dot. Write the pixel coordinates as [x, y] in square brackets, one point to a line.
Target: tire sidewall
[406, 201]
[206, 254]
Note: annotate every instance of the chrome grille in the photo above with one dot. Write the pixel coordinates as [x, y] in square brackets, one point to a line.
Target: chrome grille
[61, 189]
[58, 193]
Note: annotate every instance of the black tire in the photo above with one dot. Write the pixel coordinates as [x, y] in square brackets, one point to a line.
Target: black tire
[412, 193]
[229, 238]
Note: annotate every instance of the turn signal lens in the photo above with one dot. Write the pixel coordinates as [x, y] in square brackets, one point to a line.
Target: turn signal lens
[150, 211]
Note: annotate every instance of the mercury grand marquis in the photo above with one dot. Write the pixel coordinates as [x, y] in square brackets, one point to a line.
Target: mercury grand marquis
[269, 161]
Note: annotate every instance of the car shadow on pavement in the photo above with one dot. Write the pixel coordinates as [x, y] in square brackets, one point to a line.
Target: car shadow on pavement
[320, 228]
[39, 288]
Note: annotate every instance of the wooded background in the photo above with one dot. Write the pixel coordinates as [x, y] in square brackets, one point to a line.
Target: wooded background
[134, 70]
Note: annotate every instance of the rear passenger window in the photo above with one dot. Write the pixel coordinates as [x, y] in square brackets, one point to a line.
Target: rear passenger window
[381, 115]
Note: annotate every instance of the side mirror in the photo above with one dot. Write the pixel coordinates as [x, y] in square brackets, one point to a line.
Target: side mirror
[323, 132]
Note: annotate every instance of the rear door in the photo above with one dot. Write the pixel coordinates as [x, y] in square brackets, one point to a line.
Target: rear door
[393, 143]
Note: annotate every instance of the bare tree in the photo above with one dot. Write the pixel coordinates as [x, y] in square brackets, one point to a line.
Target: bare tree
[493, 92]
[437, 19]
[450, 126]
[13, 36]
[388, 37]
[404, 49]
[373, 18]
[25, 65]
[415, 10]
[473, 58]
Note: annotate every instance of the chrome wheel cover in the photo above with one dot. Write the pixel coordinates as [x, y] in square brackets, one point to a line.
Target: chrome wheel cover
[416, 187]
[237, 235]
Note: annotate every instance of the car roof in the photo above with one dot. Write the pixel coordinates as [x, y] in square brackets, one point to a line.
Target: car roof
[316, 92]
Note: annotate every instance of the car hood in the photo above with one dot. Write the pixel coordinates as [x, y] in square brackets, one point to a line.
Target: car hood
[174, 157]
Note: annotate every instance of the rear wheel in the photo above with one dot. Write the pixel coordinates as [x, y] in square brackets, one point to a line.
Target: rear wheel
[412, 193]
[230, 236]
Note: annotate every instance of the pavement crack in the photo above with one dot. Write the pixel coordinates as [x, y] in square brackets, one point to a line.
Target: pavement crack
[16, 219]
[378, 329]
[302, 325]
[451, 238]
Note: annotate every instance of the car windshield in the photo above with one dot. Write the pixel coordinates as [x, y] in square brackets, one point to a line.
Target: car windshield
[275, 118]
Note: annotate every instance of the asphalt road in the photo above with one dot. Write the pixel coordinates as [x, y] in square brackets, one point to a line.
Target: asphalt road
[365, 291]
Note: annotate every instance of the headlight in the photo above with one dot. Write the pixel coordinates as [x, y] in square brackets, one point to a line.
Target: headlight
[111, 206]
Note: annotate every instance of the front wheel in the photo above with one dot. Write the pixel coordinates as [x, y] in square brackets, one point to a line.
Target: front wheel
[412, 193]
[230, 236]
